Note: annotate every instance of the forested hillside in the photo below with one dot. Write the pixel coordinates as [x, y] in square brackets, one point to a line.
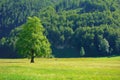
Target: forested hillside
[71, 25]
[13, 13]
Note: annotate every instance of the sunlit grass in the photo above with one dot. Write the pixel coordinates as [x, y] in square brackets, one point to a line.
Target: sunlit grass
[61, 69]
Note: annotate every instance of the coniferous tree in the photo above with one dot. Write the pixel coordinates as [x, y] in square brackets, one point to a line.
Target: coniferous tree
[82, 51]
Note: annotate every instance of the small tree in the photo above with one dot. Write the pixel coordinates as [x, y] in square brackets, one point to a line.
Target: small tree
[104, 45]
[31, 40]
[117, 45]
[2, 41]
[82, 51]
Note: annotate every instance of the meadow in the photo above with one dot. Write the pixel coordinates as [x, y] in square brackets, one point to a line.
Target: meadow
[61, 69]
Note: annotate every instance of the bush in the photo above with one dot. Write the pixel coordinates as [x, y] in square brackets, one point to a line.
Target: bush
[82, 51]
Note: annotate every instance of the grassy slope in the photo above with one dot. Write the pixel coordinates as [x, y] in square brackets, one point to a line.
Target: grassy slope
[61, 69]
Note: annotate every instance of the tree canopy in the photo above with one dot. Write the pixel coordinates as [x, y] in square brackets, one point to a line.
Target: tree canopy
[31, 39]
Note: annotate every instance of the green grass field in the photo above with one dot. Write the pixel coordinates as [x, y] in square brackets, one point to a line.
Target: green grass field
[61, 69]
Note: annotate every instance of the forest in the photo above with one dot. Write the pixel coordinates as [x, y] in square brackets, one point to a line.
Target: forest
[75, 28]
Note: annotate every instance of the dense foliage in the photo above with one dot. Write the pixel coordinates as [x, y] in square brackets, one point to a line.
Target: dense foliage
[70, 24]
[13, 13]
[31, 41]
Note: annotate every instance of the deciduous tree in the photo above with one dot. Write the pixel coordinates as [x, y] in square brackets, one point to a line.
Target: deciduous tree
[32, 41]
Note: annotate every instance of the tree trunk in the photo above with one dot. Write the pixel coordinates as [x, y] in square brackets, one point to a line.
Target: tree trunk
[32, 57]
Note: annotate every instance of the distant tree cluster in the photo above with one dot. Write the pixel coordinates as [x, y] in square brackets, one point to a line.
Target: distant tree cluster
[96, 41]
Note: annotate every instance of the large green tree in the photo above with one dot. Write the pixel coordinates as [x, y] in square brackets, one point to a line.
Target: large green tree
[32, 41]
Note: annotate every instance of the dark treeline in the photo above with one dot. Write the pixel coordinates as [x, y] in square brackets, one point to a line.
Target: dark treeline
[92, 26]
